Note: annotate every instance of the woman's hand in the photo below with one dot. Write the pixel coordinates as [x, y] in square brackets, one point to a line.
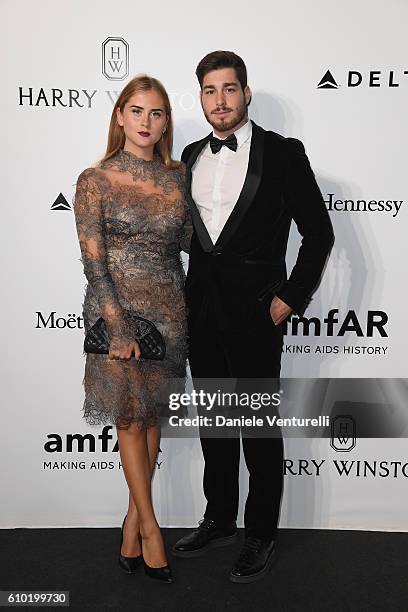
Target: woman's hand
[122, 348]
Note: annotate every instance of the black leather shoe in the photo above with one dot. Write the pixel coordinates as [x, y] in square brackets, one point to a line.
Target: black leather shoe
[128, 564]
[159, 573]
[254, 561]
[208, 534]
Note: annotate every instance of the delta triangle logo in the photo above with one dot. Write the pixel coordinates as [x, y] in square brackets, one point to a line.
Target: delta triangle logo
[60, 203]
[327, 81]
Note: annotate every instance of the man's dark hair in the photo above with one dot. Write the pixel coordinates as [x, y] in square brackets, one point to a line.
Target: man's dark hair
[222, 59]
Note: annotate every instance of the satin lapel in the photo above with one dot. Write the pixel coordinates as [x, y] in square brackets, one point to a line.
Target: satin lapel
[249, 189]
[199, 225]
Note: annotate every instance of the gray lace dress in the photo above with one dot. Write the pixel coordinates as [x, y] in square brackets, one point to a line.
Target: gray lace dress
[132, 221]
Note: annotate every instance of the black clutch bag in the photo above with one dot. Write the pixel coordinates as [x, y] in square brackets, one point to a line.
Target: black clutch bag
[150, 340]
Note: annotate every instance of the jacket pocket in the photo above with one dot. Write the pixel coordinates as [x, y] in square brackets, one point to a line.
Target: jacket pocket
[262, 262]
[268, 290]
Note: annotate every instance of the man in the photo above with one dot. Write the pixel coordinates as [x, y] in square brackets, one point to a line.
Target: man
[245, 185]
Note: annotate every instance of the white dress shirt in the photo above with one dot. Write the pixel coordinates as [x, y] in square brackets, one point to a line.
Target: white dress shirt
[218, 178]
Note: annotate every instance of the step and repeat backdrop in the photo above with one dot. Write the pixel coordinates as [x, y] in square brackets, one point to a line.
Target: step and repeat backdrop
[333, 74]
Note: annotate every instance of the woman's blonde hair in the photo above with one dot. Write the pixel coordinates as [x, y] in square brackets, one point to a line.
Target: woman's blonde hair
[116, 136]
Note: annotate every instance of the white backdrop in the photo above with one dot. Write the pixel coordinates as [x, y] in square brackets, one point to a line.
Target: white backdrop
[56, 106]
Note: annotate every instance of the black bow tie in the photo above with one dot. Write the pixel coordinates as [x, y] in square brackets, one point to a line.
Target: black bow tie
[216, 144]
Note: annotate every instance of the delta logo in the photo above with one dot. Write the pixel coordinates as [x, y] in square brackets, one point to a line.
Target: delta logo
[369, 78]
[327, 81]
[60, 203]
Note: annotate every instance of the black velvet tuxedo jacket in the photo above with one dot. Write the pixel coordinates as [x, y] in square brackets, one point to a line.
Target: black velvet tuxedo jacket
[231, 283]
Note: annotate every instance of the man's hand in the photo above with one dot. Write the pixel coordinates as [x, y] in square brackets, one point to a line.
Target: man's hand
[279, 310]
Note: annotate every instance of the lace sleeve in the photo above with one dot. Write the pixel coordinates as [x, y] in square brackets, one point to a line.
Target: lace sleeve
[89, 223]
[186, 233]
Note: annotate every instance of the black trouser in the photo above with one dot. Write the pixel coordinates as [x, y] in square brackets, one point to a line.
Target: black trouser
[215, 354]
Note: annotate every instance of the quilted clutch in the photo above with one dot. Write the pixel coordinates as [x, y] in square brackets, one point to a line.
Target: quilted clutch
[150, 340]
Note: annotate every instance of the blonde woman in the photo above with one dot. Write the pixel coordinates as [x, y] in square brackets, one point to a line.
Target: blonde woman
[132, 221]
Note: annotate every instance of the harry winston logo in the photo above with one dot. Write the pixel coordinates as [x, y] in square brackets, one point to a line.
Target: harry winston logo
[115, 58]
[327, 81]
[60, 203]
[343, 433]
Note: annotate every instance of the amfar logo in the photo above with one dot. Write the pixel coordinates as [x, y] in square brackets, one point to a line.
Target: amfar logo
[338, 205]
[61, 203]
[343, 433]
[82, 443]
[372, 78]
[332, 325]
[71, 321]
[115, 59]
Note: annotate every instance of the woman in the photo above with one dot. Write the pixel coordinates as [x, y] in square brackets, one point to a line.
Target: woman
[132, 220]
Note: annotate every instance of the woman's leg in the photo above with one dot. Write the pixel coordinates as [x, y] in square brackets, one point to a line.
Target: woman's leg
[138, 451]
[131, 531]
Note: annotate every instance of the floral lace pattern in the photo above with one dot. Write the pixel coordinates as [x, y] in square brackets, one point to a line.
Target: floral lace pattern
[132, 221]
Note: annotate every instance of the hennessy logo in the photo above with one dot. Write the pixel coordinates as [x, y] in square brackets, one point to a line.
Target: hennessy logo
[115, 59]
[387, 206]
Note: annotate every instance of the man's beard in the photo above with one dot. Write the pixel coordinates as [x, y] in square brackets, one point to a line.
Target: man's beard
[225, 124]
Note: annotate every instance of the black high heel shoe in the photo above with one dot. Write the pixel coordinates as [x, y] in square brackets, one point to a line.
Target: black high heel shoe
[128, 564]
[164, 574]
